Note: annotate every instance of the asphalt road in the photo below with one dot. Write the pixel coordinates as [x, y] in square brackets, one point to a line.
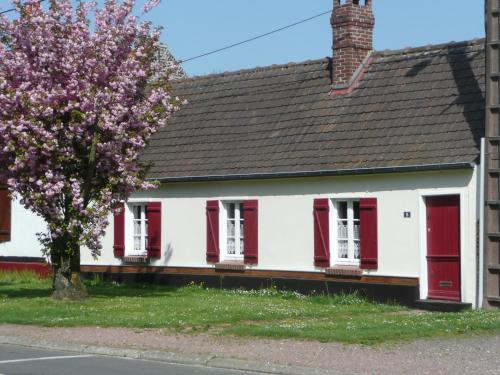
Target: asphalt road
[17, 360]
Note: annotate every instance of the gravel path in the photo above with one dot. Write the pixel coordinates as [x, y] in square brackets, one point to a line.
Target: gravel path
[470, 355]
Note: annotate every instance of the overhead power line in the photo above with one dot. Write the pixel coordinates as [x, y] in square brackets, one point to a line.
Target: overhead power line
[234, 44]
[14, 9]
[255, 37]
[7, 11]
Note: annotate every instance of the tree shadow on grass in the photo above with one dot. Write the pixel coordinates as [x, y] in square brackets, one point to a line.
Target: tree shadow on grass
[9, 290]
[132, 290]
[25, 293]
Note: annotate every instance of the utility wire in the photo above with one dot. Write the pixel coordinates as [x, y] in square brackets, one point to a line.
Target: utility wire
[234, 44]
[255, 37]
[14, 9]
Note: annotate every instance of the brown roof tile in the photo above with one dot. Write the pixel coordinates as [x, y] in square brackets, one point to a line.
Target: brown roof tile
[413, 107]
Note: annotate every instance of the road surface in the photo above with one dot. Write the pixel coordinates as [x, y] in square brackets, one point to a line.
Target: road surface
[17, 360]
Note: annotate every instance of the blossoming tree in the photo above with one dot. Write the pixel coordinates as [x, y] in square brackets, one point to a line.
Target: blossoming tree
[77, 106]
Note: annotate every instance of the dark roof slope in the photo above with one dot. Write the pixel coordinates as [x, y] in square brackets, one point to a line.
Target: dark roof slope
[412, 107]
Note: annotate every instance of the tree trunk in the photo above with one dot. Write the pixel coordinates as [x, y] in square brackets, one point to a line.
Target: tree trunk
[66, 278]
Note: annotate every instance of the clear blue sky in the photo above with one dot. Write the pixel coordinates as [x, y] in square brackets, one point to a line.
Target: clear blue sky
[196, 26]
[192, 27]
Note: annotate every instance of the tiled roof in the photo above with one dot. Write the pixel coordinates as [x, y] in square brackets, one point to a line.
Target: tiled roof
[412, 107]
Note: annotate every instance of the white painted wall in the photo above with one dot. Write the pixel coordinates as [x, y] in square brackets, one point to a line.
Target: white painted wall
[24, 226]
[286, 221]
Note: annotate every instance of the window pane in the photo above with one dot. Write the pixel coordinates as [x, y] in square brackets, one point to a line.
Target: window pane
[242, 232]
[137, 212]
[342, 229]
[355, 209]
[242, 250]
[343, 249]
[137, 243]
[137, 227]
[235, 227]
[356, 249]
[342, 210]
[356, 230]
[231, 246]
[230, 210]
[230, 228]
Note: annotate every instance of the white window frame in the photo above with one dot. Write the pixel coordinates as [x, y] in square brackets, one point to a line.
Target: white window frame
[334, 251]
[238, 214]
[129, 229]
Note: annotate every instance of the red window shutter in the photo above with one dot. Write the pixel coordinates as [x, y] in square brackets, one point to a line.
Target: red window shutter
[213, 231]
[368, 233]
[251, 231]
[321, 233]
[153, 214]
[119, 233]
[5, 214]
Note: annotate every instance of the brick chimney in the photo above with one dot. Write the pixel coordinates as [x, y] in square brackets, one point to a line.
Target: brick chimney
[352, 23]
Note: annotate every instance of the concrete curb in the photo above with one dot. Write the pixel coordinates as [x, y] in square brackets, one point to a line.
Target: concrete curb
[169, 357]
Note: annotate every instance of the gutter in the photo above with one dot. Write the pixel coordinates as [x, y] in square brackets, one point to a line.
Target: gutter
[480, 280]
[318, 173]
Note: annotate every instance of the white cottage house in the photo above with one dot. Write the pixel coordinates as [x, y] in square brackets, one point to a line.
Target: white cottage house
[353, 172]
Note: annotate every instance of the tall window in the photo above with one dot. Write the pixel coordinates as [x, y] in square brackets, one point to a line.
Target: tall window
[234, 230]
[140, 229]
[5, 214]
[347, 231]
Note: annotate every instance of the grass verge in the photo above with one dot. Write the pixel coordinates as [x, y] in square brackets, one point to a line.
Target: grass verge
[25, 299]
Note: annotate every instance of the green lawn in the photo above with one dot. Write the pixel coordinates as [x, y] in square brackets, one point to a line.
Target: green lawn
[25, 299]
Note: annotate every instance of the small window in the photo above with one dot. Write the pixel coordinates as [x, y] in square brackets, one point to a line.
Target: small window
[347, 242]
[139, 224]
[234, 236]
[5, 214]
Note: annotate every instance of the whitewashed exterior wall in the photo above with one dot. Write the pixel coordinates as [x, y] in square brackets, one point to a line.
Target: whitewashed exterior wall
[24, 226]
[286, 223]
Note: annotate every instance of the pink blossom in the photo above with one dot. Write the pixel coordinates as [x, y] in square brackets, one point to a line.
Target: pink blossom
[74, 76]
[150, 4]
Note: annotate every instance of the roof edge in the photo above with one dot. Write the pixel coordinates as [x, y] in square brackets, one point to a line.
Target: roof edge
[431, 47]
[257, 69]
[319, 173]
[381, 53]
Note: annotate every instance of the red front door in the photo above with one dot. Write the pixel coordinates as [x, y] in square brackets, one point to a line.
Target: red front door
[443, 247]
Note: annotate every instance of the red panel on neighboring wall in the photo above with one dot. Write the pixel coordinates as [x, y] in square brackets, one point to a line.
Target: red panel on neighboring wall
[368, 233]
[251, 231]
[119, 233]
[213, 231]
[42, 269]
[321, 212]
[153, 214]
[443, 247]
[5, 214]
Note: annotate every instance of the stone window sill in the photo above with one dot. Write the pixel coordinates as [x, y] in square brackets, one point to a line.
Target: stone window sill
[135, 259]
[232, 266]
[344, 271]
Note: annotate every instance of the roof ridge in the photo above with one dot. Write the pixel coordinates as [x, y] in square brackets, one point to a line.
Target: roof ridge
[258, 69]
[381, 53]
[431, 47]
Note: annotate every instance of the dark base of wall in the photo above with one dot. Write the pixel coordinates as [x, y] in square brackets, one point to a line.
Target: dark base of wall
[403, 294]
[443, 306]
